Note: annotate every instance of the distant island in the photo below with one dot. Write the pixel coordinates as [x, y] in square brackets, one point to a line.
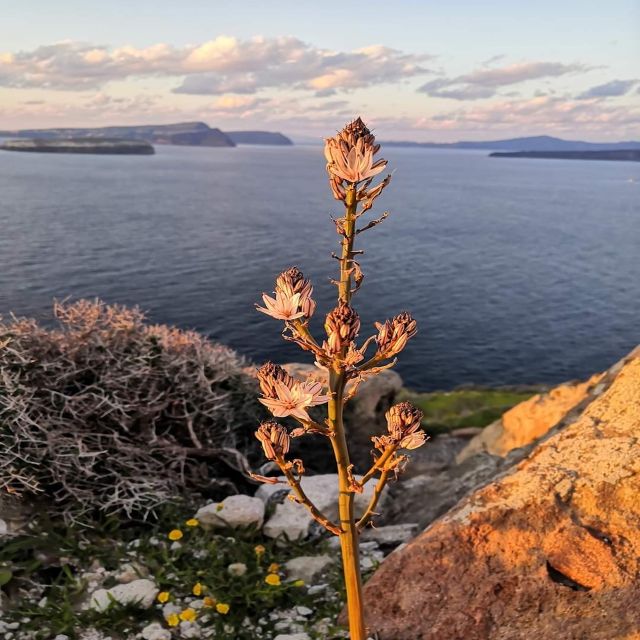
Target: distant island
[613, 154]
[259, 137]
[102, 146]
[531, 143]
[192, 134]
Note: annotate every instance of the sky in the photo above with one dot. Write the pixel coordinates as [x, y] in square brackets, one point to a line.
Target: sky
[415, 70]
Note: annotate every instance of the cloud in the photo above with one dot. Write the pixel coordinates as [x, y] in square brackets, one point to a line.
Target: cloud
[545, 113]
[611, 89]
[484, 83]
[444, 88]
[223, 65]
[236, 103]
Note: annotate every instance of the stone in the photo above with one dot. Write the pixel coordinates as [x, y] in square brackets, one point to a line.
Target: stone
[293, 636]
[155, 631]
[293, 520]
[234, 512]
[424, 498]
[15, 514]
[549, 549]
[308, 568]
[190, 629]
[140, 592]
[130, 572]
[529, 420]
[391, 535]
[237, 569]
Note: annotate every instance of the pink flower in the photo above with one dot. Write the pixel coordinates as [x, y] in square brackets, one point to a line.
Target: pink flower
[293, 281]
[353, 164]
[314, 390]
[282, 307]
[294, 401]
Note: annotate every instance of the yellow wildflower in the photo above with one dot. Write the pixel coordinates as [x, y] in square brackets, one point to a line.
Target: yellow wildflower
[208, 601]
[273, 567]
[163, 596]
[259, 549]
[298, 583]
[173, 620]
[176, 534]
[273, 579]
[188, 615]
[192, 522]
[197, 589]
[222, 608]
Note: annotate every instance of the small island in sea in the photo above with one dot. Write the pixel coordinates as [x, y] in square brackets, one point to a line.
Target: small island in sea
[190, 134]
[101, 146]
[610, 154]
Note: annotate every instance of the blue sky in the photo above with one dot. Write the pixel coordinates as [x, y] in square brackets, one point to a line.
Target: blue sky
[416, 70]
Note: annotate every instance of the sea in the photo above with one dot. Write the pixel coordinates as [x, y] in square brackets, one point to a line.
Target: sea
[518, 271]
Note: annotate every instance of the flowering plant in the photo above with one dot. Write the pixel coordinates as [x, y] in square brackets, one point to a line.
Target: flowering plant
[352, 167]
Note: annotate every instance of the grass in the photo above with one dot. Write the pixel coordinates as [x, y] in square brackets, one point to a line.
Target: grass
[448, 410]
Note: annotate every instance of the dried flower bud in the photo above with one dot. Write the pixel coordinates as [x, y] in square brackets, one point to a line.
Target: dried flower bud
[403, 420]
[355, 130]
[291, 282]
[268, 374]
[342, 326]
[274, 439]
[413, 440]
[349, 157]
[394, 334]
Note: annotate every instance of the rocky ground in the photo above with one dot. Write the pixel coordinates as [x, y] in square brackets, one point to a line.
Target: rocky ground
[529, 529]
[549, 548]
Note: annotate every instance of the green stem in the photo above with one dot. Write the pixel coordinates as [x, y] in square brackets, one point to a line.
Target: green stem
[346, 259]
[349, 537]
[349, 541]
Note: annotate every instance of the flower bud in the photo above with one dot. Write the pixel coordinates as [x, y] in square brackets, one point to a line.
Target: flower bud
[292, 281]
[394, 334]
[342, 326]
[403, 420]
[274, 439]
[268, 374]
[355, 130]
[349, 157]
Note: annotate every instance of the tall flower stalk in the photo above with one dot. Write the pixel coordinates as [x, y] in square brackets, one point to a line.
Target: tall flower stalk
[352, 167]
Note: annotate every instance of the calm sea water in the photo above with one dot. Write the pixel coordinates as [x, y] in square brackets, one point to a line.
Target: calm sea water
[518, 271]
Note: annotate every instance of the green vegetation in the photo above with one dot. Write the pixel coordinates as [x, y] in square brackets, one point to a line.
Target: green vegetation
[448, 410]
[231, 584]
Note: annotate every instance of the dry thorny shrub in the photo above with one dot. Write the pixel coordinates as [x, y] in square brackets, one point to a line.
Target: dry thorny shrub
[109, 414]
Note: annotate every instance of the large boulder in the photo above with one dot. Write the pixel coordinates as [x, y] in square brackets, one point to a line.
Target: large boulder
[550, 549]
[530, 419]
[423, 498]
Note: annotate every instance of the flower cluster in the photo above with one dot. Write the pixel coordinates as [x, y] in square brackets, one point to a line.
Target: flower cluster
[292, 300]
[349, 157]
[274, 439]
[342, 326]
[404, 426]
[394, 334]
[284, 396]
